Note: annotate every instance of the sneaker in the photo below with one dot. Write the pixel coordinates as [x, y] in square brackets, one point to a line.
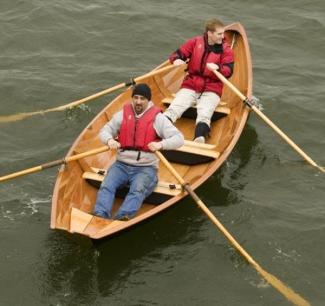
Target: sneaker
[100, 215]
[200, 139]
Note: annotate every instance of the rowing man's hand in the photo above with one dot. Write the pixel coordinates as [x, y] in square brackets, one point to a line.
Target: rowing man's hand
[178, 62]
[212, 66]
[113, 144]
[155, 146]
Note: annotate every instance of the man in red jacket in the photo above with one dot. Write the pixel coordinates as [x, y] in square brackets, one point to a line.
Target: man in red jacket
[201, 87]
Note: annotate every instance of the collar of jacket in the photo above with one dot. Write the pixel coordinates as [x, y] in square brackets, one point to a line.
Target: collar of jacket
[216, 48]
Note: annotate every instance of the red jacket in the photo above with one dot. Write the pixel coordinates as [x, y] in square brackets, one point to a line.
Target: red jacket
[136, 134]
[199, 53]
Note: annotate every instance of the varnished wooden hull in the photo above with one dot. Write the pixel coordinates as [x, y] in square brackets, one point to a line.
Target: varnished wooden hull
[74, 198]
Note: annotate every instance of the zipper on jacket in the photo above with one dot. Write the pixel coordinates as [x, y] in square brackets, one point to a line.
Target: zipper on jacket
[134, 135]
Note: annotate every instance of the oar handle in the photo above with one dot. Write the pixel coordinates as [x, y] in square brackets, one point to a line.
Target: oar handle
[53, 163]
[267, 120]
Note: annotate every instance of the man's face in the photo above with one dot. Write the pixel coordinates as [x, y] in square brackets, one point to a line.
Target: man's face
[217, 36]
[140, 104]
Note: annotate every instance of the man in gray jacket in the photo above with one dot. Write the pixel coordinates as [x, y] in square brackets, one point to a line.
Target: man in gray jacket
[136, 132]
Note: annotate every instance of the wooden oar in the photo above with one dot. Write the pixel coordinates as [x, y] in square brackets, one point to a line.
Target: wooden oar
[54, 163]
[20, 116]
[267, 120]
[271, 279]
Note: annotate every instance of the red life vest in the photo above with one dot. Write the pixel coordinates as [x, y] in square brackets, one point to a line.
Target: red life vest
[199, 78]
[136, 134]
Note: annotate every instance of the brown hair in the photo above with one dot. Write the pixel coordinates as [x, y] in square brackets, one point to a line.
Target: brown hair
[212, 24]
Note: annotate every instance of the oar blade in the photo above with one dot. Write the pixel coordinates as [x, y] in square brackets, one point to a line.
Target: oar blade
[16, 117]
[286, 291]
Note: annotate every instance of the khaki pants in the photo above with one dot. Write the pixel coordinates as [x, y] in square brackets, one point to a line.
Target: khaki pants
[185, 98]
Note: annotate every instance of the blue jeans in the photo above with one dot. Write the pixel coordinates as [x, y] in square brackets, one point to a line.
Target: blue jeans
[142, 181]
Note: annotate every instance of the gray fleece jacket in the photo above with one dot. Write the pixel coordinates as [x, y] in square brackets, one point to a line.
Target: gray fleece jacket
[171, 137]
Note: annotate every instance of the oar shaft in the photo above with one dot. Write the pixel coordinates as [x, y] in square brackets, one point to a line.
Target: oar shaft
[268, 121]
[154, 72]
[20, 116]
[271, 279]
[230, 85]
[170, 168]
[284, 136]
[88, 153]
[212, 217]
[110, 90]
[53, 164]
[204, 208]
[87, 99]
[20, 173]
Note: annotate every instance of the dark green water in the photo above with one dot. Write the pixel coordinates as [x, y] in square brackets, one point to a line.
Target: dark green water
[54, 52]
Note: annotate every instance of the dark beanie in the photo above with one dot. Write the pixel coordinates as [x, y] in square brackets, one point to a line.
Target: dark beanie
[142, 89]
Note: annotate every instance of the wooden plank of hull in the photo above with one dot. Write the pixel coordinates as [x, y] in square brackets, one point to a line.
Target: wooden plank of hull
[73, 198]
[89, 225]
[98, 225]
[79, 220]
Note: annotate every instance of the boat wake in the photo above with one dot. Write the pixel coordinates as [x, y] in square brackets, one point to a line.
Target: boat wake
[30, 207]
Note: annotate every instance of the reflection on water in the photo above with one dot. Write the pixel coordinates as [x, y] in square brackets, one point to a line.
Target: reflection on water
[244, 150]
[67, 271]
[77, 271]
[225, 185]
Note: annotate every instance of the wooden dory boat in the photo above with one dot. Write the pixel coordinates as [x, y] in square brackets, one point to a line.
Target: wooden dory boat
[77, 182]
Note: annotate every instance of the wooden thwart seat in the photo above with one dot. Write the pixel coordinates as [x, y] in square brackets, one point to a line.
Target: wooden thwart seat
[162, 192]
[221, 110]
[192, 153]
[199, 149]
